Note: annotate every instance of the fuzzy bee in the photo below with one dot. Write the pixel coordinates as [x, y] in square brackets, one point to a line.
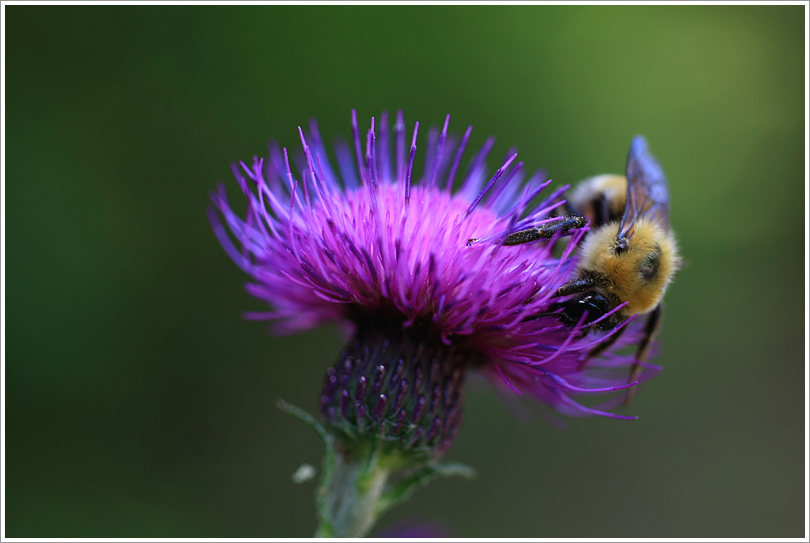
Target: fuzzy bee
[628, 257]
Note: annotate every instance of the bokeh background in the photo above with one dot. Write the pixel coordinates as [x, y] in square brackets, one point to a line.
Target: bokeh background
[140, 404]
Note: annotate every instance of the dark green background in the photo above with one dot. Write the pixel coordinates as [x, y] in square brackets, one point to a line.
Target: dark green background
[140, 404]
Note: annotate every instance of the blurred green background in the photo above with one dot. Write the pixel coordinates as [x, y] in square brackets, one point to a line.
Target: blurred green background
[140, 404]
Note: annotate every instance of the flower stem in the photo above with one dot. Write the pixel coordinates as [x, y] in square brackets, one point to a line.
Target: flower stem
[349, 500]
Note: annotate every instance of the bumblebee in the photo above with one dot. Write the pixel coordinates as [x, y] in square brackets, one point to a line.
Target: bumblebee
[628, 257]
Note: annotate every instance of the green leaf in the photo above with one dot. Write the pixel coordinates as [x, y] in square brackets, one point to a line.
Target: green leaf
[328, 468]
[404, 489]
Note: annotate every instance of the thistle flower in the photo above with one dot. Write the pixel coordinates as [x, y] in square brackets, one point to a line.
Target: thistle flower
[385, 252]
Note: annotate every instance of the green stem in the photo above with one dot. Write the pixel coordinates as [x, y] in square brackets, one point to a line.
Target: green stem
[349, 499]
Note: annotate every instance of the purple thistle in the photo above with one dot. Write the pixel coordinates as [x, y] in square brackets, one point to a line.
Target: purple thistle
[387, 255]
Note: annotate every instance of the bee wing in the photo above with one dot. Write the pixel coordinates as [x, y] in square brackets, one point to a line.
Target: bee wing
[647, 192]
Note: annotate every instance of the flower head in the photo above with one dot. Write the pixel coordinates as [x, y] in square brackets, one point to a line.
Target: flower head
[385, 251]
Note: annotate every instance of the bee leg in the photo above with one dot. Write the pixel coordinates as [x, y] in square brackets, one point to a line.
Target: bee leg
[567, 209]
[571, 287]
[602, 347]
[576, 286]
[546, 231]
[650, 331]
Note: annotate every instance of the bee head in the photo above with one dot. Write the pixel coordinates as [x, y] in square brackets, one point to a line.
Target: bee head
[621, 246]
[593, 303]
[634, 269]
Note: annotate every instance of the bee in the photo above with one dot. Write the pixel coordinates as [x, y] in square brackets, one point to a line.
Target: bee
[626, 260]
[629, 256]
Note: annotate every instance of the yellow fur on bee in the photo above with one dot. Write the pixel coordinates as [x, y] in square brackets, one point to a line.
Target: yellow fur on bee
[613, 187]
[619, 275]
